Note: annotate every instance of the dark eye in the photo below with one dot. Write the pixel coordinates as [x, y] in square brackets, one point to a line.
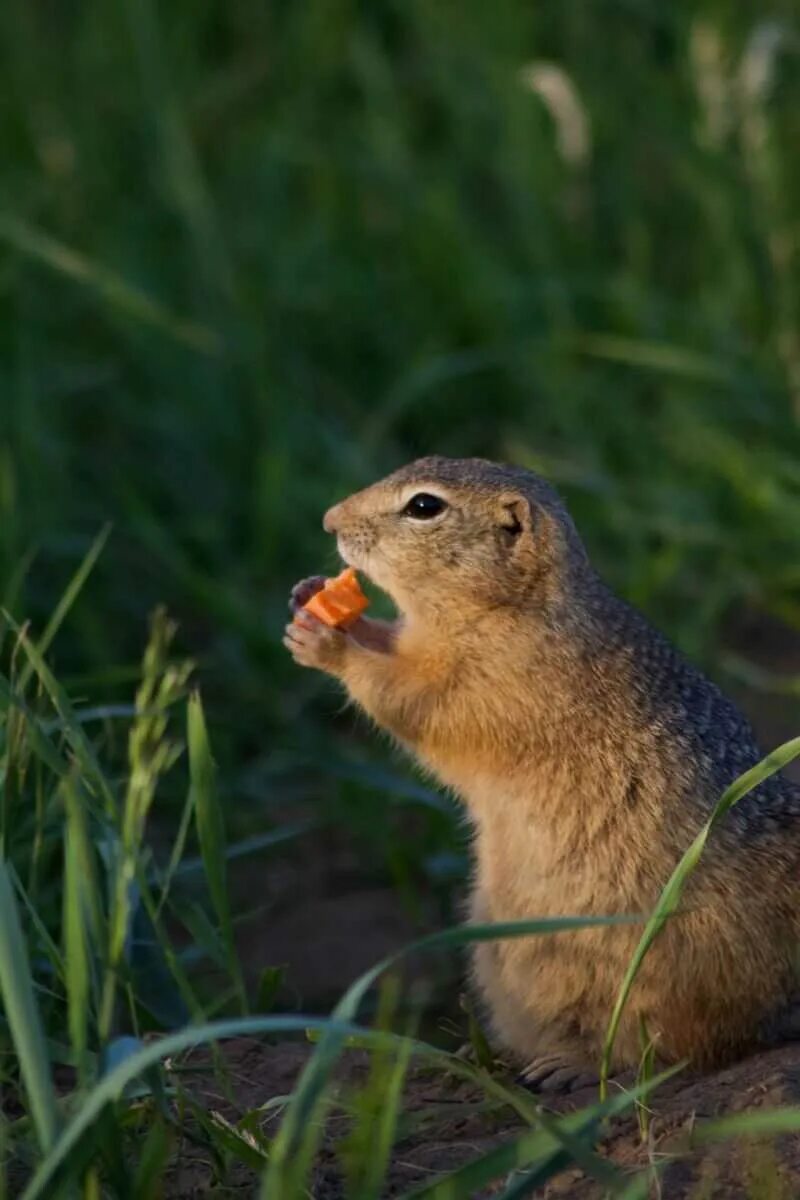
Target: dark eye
[423, 506]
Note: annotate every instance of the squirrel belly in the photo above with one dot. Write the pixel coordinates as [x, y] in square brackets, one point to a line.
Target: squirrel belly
[588, 754]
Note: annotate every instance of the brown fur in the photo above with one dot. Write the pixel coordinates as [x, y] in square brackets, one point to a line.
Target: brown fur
[588, 754]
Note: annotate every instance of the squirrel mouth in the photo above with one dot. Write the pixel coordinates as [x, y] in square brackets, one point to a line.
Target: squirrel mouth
[359, 561]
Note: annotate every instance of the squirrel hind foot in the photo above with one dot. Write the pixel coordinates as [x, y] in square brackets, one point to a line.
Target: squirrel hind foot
[554, 1074]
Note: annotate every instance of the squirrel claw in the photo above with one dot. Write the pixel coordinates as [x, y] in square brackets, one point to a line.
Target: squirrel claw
[302, 592]
[552, 1073]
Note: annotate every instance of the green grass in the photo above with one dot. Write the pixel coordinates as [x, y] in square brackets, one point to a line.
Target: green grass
[252, 257]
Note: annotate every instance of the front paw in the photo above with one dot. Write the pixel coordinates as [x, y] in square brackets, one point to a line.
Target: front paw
[314, 644]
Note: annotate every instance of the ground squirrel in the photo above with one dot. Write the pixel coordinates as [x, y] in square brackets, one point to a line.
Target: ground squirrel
[588, 753]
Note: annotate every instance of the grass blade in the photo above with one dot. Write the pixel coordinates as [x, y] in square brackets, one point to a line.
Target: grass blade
[654, 356]
[176, 853]
[76, 951]
[375, 1107]
[16, 986]
[66, 261]
[211, 833]
[65, 603]
[765, 1123]
[81, 928]
[153, 1159]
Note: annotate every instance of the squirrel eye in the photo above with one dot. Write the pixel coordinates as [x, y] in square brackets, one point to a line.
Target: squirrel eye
[423, 506]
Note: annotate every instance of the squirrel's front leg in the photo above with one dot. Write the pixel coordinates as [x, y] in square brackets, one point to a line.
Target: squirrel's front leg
[365, 661]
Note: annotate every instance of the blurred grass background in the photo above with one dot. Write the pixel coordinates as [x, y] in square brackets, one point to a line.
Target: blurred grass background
[253, 256]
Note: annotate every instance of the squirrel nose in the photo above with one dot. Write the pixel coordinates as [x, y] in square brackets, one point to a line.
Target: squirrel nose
[329, 520]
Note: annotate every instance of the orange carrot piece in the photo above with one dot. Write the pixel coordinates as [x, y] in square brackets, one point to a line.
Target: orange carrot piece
[340, 602]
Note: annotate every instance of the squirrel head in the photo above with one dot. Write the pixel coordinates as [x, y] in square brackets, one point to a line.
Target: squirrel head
[449, 537]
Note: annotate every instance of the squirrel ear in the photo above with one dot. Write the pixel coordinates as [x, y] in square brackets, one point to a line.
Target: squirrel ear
[515, 517]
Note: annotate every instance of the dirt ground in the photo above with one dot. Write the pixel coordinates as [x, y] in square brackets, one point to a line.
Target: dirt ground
[450, 1132]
